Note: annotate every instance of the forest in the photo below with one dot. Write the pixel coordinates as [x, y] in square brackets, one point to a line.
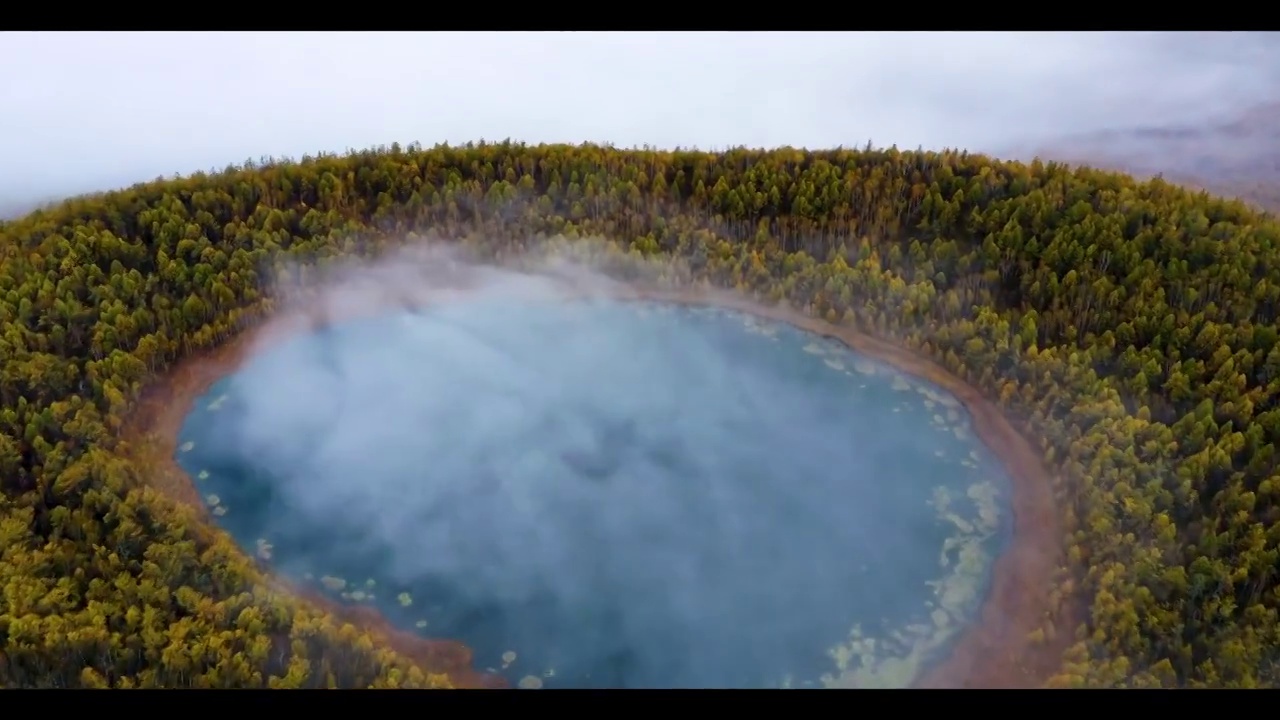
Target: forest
[1128, 328]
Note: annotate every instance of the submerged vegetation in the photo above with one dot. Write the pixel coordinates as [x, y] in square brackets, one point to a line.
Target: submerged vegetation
[1130, 328]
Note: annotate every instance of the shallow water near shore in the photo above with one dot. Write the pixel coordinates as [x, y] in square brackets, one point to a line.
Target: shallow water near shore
[610, 494]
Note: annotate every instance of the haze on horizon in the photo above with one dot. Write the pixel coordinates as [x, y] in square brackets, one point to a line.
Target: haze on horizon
[111, 109]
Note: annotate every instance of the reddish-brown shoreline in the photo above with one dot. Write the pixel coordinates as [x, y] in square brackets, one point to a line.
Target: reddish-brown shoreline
[151, 436]
[994, 652]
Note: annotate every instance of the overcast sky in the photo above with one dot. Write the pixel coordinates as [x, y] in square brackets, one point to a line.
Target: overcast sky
[89, 111]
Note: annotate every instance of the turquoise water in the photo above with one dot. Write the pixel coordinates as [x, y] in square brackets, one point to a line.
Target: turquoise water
[607, 494]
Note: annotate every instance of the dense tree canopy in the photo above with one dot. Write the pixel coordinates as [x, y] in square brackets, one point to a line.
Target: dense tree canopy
[1131, 328]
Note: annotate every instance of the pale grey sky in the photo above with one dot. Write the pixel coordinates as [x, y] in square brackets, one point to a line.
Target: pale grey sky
[89, 111]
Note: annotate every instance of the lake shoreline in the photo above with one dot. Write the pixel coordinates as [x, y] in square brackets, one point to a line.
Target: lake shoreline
[994, 651]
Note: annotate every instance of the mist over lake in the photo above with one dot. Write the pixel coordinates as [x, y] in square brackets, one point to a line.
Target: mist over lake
[610, 494]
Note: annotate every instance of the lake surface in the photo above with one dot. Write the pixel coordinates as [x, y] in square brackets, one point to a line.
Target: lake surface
[609, 494]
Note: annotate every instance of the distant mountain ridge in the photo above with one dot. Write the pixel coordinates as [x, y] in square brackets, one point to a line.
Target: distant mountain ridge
[1235, 157]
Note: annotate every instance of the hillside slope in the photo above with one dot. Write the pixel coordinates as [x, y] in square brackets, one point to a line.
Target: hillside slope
[1131, 329]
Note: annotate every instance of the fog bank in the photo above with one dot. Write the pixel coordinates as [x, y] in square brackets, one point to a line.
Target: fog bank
[622, 491]
[110, 109]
